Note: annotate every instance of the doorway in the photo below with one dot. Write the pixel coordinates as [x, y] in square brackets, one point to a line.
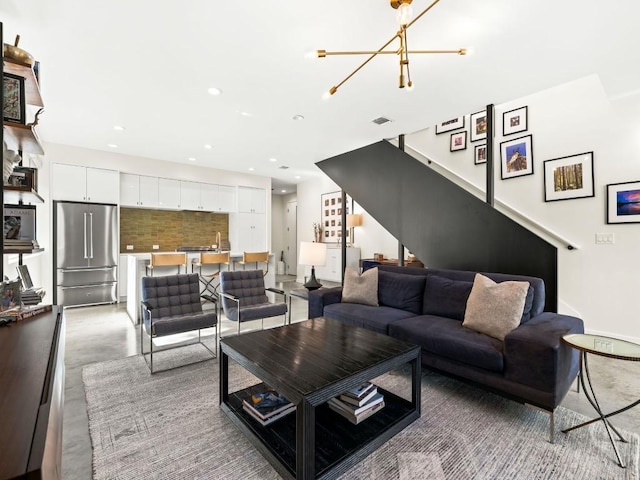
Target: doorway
[291, 238]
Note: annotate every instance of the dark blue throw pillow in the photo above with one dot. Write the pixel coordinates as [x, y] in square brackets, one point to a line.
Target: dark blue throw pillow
[446, 298]
[401, 291]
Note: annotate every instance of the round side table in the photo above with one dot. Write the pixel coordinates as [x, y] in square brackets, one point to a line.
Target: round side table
[604, 347]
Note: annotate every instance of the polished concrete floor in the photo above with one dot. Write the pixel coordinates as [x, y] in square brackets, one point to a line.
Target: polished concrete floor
[96, 334]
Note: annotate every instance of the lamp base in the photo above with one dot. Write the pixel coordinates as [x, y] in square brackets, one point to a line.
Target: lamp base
[312, 283]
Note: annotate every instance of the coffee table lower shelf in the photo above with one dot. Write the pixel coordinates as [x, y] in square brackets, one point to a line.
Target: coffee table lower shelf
[339, 443]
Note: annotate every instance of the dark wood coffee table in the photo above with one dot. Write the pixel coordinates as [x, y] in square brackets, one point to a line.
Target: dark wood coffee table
[310, 362]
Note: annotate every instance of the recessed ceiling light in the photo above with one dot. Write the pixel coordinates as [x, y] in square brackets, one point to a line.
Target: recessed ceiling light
[297, 176]
[207, 146]
[283, 191]
[214, 91]
[118, 128]
[251, 169]
[112, 145]
[298, 117]
[191, 159]
[246, 114]
[273, 159]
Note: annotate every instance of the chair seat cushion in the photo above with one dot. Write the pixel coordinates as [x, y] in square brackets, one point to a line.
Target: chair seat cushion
[448, 338]
[183, 323]
[373, 318]
[254, 312]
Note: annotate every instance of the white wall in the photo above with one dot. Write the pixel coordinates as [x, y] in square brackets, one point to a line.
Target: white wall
[41, 265]
[595, 282]
[278, 224]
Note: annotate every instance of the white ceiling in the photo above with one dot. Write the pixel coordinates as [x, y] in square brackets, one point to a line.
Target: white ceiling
[147, 65]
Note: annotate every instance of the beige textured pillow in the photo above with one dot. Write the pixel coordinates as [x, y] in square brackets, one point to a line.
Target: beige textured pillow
[495, 308]
[360, 288]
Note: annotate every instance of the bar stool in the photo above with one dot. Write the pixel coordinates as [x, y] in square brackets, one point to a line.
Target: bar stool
[209, 290]
[255, 258]
[167, 260]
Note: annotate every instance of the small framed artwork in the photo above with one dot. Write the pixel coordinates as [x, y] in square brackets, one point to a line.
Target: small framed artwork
[331, 213]
[458, 141]
[480, 154]
[516, 157]
[14, 109]
[478, 123]
[449, 125]
[514, 121]
[566, 178]
[623, 202]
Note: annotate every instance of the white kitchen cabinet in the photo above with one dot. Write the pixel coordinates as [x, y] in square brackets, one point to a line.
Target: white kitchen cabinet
[252, 200]
[207, 197]
[122, 278]
[252, 232]
[332, 270]
[168, 193]
[190, 195]
[226, 198]
[84, 184]
[138, 191]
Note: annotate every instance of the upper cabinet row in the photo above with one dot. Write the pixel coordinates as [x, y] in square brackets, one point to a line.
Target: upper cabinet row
[84, 184]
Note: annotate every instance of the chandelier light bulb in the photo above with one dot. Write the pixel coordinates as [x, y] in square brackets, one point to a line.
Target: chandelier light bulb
[404, 14]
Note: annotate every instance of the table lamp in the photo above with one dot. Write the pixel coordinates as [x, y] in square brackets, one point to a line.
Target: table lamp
[312, 254]
[353, 220]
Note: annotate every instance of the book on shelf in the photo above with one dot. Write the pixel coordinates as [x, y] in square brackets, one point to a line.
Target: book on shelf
[18, 314]
[359, 391]
[266, 413]
[358, 402]
[356, 419]
[267, 405]
[353, 409]
[272, 418]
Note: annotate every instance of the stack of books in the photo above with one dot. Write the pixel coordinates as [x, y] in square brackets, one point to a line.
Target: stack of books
[18, 314]
[358, 403]
[32, 296]
[18, 244]
[267, 406]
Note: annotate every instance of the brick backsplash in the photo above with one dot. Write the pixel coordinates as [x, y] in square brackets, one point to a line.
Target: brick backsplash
[169, 229]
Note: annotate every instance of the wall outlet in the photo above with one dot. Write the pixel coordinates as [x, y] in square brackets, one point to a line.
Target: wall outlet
[605, 238]
[129, 247]
[156, 247]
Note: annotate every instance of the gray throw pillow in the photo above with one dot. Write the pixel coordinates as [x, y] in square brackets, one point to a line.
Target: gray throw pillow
[495, 308]
[361, 289]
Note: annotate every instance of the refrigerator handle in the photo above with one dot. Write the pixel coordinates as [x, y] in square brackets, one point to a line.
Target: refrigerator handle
[91, 230]
[85, 234]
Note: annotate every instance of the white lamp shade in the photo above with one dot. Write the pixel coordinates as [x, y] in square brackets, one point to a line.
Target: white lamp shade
[312, 254]
[354, 220]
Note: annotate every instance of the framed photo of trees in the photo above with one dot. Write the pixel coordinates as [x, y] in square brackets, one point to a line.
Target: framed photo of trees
[566, 178]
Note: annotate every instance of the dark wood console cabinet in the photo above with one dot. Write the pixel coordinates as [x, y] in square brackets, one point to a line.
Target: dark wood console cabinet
[32, 397]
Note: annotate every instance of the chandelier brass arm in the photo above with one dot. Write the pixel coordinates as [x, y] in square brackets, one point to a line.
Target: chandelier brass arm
[403, 52]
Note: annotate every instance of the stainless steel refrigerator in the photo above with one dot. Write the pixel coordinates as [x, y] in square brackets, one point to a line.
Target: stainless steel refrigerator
[85, 253]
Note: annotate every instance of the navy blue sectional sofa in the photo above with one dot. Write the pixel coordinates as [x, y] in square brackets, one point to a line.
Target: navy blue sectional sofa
[427, 306]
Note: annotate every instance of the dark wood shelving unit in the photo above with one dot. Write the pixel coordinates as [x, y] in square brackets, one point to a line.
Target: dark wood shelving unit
[22, 138]
[27, 196]
[22, 251]
[31, 87]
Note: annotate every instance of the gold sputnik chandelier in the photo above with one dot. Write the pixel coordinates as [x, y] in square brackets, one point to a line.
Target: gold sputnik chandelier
[403, 15]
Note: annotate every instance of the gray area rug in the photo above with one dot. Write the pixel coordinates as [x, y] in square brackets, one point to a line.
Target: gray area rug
[169, 426]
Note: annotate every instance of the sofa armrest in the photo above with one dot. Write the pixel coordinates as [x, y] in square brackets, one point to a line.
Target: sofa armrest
[535, 355]
[318, 299]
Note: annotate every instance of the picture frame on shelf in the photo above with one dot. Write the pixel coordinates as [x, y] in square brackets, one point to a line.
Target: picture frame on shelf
[23, 178]
[568, 178]
[449, 125]
[14, 106]
[19, 224]
[515, 121]
[331, 215]
[478, 123]
[516, 157]
[10, 295]
[458, 141]
[623, 202]
[480, 154]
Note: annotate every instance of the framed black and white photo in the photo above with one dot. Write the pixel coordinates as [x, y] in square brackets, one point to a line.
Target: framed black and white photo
[623, 202]
[570, 177]
[458, 141]
[19, 223]
[514, 121]
[331, 214]
[14, 107]
[480, 154]
[516, 157]
[478, 123]
[449, 125]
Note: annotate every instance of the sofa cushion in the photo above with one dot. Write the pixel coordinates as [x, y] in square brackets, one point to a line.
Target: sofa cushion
[445, 297]
[495, 308]
[373, 318]
[400, 291]
[448, 338]
[360, 288]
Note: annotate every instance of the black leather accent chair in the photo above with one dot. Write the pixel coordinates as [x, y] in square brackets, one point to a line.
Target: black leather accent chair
[171, 305]
[244, 297]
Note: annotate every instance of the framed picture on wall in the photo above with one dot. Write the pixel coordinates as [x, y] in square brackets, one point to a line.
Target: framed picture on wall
[449, 125]
[14, 106]
[458, 141]
[566, 178]
[514, 121]
[516, 157]
[331, 214]
[623, 202]
[478, 123]
[480, 154]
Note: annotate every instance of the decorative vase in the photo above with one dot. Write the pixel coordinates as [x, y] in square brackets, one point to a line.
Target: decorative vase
[318, 236]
